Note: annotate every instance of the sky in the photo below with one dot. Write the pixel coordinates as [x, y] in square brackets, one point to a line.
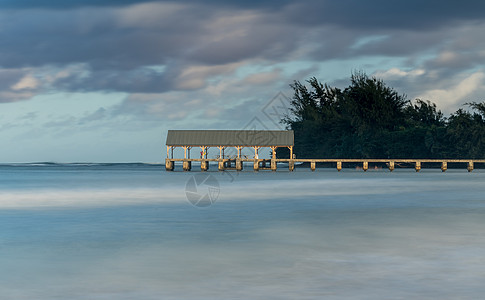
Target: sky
[103, 80]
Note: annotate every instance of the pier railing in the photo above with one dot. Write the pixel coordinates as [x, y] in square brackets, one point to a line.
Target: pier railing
[272, 164]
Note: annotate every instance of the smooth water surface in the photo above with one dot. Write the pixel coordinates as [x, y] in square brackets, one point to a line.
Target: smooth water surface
[127, 231]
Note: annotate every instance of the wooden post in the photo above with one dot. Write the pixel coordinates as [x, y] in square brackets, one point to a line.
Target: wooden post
[444, 166]
[187, 154]
[273, 149]
[256, 165]
[256, 152]
[168, 147]
[220, 164]
[365, 165]
[187, 165]
[313, 165]
[339, 166]
[291, 165]
[169, 164]
[239, 164]
[417, 167]
[273, 158]
[291, 151]
[204, 165]
[470, 166]
[239, 151]
[204, 150]
[391, 166]
[172, 150]
[273, 165]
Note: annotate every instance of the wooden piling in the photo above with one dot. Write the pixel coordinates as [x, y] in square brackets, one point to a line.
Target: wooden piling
[391, 166]
[273, 164]
[339, 166]
[291, 165]
[204, 165]
[444, 166]
[365, 165]
[470, 166]
[239, 164]
[169, 165]
[187, 165]
[221, 165]
[313, 165]
[417, 167]
[256, 165]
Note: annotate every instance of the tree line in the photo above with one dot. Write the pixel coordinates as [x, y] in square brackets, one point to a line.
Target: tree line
[369, 119]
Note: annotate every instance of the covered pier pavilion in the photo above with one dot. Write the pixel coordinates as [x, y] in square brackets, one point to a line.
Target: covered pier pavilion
[223, 140]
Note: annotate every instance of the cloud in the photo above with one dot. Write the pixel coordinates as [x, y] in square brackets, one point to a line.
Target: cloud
[61, 4]
[27, 82]
[164, 47]
[263, 78]
[104, 38]
[195, 77]
[378, 14]
[396, 73]
[448, 93]
[141, 79]
[17, 84]
[454, 95]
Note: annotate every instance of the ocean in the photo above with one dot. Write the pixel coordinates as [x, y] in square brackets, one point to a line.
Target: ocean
[135, 231]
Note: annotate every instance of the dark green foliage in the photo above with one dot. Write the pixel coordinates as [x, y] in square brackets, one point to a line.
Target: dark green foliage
[466, 132]
[368, 119]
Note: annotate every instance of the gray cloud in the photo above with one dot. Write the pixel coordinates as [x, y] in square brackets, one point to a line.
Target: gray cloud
[102, 37]
[155, 46]
[142, 80]
[62, 4]
[378, 14]
[17, 84]
[10, 77]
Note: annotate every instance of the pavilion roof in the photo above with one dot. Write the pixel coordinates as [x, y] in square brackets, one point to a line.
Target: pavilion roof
[245, 138]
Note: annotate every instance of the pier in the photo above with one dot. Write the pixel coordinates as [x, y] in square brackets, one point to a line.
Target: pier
[339, 164]
[226, 141]
[236, 140]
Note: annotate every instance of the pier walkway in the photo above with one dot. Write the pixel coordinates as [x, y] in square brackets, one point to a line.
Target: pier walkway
[272, 164]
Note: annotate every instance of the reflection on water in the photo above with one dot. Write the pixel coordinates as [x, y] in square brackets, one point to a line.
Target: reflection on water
[127, 232]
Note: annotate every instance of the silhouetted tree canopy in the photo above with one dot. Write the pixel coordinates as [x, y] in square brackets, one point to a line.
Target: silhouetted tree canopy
[369, 119]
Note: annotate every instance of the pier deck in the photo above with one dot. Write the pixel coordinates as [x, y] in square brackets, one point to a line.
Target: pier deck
[272, 164]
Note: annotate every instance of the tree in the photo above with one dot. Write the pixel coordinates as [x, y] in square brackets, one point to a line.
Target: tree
[372, 105]
[368, 119]
[466, 132]
[423, 113]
